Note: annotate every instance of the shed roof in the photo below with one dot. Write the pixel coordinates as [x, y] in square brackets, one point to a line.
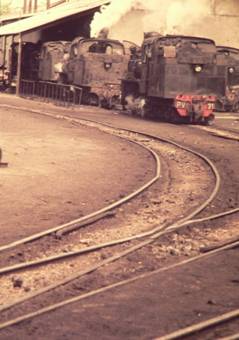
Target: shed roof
[50, 16]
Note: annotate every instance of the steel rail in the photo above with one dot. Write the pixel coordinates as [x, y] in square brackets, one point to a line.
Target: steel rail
[219, 132]
[124, 200]
[231, 337]
[99, 212]
[78, 298]
[152, 233]
[204, 325]
[114, 242]
[161, 139]
[156, 231]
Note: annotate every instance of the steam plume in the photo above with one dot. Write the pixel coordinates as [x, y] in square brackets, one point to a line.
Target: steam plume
[187, 17]
[109, 15]
[164, 16]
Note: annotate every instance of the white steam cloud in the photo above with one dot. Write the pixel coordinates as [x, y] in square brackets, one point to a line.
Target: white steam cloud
[182, 15]
[166, 16]
[110, 15]
[187, 17]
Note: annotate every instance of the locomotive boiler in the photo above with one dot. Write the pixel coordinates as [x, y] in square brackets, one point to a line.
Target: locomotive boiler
[173, 78]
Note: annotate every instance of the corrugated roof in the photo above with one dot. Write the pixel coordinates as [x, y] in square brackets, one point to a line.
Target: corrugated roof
[50, 16]
[14, 17]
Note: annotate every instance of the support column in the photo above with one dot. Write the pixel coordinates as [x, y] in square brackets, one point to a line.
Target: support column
[213, 7]
[19, 64]
[35, 6]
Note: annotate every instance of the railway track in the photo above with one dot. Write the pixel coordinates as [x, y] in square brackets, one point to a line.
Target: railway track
[147, 237]
[96, 215]
[101, 213]
[176, 335]
[93, 217]
[219, 132]
[207, 329]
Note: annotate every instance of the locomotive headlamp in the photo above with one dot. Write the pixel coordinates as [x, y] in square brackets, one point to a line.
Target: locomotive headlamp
[107, 66]
[198, 68]
[231, 70]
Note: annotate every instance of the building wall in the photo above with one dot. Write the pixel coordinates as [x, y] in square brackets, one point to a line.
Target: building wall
[226, 7]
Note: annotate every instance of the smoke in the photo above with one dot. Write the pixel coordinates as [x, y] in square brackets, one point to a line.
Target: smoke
[135, 105]
[183, 16]
[176, 16]
[186, 17]
[164, 16]
[110, 15]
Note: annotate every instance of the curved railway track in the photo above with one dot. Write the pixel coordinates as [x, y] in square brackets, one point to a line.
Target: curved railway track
[148, 237]
[96, 215]
[101, 213]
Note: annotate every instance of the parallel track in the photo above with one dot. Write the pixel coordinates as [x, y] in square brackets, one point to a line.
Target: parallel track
[151, 236]
[45, 310]
[99, 213]
[208, 325]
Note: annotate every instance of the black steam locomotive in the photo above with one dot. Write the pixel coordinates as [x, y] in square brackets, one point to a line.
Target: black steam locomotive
[228, 65]
[97, 65]
[174, 78]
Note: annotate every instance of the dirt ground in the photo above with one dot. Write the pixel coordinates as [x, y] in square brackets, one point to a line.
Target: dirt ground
[167, 301]
[148, 308]
[57, 170]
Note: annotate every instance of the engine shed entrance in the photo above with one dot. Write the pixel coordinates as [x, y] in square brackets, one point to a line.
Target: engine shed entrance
[23, 38]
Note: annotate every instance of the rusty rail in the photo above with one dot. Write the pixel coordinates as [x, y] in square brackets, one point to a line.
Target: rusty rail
[60, 94]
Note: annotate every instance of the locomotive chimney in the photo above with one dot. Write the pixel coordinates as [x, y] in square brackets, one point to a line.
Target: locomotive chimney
[103, 34]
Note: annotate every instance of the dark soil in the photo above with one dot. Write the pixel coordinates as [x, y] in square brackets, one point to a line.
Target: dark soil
[163, 302]
[147, 308]
[57, 170]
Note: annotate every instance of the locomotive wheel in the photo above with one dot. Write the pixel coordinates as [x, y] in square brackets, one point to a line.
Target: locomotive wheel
[218, 106]
[110, 103]
[93, 99]
[145, 110]
[172, 116]
[208, 121]
[236, 107]
[113, 102]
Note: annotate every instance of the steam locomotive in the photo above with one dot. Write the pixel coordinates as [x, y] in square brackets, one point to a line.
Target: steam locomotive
[97, 65]
[173, 78]
[228, 65]
[51, 56]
